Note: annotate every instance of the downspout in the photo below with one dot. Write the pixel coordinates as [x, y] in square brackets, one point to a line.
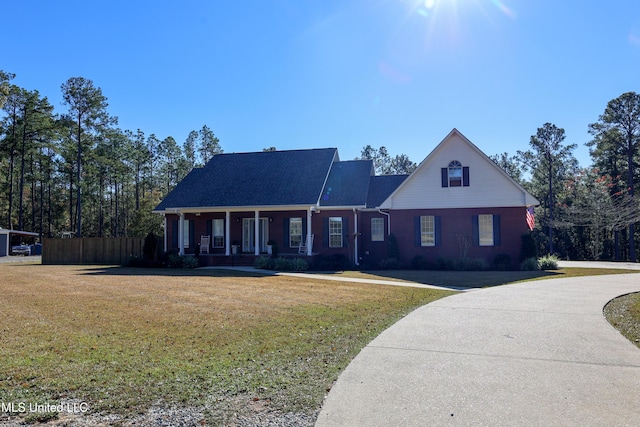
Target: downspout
[355, 237]
[388, 220]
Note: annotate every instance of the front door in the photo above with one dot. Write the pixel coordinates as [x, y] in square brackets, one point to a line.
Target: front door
[249, 235]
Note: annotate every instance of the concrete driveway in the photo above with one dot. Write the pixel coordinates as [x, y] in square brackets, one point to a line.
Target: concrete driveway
[536, 353]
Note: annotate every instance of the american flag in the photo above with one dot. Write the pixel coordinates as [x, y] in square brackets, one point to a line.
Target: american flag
[531, 221]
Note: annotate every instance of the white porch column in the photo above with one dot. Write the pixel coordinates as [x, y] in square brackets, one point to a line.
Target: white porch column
[309, 242]
[256, 239]
[181, 233]
[227, 233]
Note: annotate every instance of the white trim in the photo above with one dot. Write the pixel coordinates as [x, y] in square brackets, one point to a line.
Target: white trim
[355, 237]
[256, 230]
[527, 198]
[181, 233]
[309, 233]
[218, 209]
[336, 158]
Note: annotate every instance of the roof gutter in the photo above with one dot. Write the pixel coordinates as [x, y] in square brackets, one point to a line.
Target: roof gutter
[388, 220]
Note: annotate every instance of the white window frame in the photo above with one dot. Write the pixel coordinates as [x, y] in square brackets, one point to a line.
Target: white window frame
[335, 232]
[377, 229]
[217, 231]
[295, 232]
[428, 230]
[485, 230]
[454, 174]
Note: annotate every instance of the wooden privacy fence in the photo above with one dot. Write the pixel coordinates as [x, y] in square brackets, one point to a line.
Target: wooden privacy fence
[91, 250]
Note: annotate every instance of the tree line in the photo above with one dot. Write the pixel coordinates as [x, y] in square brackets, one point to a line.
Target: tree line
[75, 170]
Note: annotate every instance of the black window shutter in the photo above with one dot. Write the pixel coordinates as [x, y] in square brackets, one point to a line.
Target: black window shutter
[209, 231]
[465, 176]
[496, 230]
[417, 240]
[174, 234]
[345, 231]
[438, 226]
[192, 234]
[325, 232]
[445, 176]
[285, 233]
[475, 227]
[304, 229]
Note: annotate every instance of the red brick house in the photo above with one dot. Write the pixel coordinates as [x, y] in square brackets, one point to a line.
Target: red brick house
[458, 203]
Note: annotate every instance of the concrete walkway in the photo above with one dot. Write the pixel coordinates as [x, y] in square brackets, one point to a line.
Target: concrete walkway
[537, 353]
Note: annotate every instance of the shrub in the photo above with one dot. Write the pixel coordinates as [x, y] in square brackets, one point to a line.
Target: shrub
[174, 261]
[335, 262]
[502, 262]
[264, 263]
[530, 264]
[419, 263]
[446, 264]
[189, 262]
[390, 264]
[299, 264]
[393, 250]
[181, 261]
[282, 264]
[548, 262]
[528, 247]
[471, 264]
[150, 246]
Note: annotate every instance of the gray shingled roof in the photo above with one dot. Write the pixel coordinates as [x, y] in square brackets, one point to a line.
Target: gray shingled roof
[272, 178]
[348, 183]
[381, 187]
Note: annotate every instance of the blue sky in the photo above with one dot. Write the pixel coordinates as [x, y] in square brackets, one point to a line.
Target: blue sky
[328, 73]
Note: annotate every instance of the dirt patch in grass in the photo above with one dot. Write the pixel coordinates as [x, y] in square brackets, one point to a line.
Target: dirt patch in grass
[624, 314]
[126, 340]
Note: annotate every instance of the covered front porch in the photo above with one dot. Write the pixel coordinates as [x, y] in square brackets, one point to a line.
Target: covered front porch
[230, 236]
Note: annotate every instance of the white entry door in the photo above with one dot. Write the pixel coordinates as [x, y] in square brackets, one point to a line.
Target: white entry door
[249, 235]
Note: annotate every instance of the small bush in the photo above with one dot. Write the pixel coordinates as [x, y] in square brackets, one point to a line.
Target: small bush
[419, 263]
[299, 264]
[393, 249]
[190, 262]
[174, 261]
[528, 247]
[502, 262]
[548, 262]
[471, 264]
[181, 261]
[446, 264]
[282, 264]
[264, 263]
[390, 264]
[530, 264]
[335, 262]
[150, 246]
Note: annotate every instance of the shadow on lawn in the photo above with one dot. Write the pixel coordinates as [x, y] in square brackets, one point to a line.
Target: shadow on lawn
[461, 279]
[172, 272]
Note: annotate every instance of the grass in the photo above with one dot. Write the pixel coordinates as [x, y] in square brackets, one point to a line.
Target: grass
[475, 279]
[123, 340]
[624, 314]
